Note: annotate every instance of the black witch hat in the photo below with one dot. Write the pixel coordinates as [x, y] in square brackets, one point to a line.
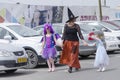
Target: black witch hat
[70, 15]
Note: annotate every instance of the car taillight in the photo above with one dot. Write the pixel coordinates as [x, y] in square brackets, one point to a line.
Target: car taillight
[89, 36]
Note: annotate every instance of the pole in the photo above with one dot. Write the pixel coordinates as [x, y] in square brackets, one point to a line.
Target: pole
[100, 10]
[105, 3]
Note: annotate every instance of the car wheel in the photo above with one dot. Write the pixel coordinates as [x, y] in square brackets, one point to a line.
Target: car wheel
[32, 59]
[10, 71]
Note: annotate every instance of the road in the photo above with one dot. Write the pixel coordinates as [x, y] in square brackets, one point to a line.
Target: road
[87, 72]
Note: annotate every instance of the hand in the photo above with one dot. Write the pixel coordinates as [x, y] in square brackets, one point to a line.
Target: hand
[85, 43]
[41, 51]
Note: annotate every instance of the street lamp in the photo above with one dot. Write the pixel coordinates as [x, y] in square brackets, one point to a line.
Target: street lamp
[100, 10]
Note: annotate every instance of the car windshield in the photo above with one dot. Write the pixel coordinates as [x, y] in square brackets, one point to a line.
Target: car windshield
[116, 22]
[56, 28]
[90, 27]
[23, 31]
[108, 25]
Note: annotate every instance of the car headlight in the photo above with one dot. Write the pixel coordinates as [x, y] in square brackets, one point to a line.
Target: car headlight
[110, 38]
[5, 53]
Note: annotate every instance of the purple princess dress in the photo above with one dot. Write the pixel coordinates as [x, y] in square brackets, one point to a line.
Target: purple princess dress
[49, 50]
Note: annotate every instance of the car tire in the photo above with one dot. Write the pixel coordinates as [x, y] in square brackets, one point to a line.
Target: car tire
[10, 71]
[32, 59]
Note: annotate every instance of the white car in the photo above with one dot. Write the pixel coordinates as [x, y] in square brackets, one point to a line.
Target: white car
[111, 33]
[25, 37]
[11, 57]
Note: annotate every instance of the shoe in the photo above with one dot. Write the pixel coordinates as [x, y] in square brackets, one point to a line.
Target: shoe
[49, 70]
[76, 69]
[103, 69]
[99, 69]
[70, 70]
[53, 69]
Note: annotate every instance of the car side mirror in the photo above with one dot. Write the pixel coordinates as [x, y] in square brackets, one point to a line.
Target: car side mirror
[8, 37]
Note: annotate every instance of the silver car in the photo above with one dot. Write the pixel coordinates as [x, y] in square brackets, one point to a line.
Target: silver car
[85, 51]
[11, 57]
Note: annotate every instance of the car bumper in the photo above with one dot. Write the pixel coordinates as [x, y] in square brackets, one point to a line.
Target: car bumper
[87, 50]
[11, 64]
[112, 45]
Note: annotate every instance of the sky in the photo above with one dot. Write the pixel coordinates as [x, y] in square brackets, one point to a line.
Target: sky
[111, 3]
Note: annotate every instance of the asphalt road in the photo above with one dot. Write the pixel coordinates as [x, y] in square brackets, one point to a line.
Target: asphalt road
[87, 72]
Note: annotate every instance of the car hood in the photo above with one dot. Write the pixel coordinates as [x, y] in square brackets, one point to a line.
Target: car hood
[114, 33]
[9, 47]
[33, 39]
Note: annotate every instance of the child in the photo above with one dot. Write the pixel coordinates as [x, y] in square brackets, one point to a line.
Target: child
[48, 46]
[101, 58]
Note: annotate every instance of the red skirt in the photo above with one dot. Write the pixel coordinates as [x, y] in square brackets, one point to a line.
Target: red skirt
[70, 54]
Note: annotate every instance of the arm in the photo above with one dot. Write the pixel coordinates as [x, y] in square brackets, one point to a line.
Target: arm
[43, 42]
[93, 44]
[63, 32]
[80, 35]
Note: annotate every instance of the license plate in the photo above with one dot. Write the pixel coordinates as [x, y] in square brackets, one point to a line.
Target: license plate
[21, 60]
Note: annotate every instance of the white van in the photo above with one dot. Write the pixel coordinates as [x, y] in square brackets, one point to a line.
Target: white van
[11, 57]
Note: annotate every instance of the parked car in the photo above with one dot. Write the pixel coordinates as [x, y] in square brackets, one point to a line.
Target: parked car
[11, 57]
[114, 22]
[25, 37]
[111, 32]
[85, 51]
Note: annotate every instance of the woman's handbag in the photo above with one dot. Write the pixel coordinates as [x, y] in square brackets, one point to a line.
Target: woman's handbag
[59, 42]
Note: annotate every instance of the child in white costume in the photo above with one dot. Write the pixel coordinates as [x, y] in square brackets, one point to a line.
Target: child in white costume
[101, 58]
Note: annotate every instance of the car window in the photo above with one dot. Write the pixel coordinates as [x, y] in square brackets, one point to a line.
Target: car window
[2, 33]
[58, 29]
[116, 22]
[24, 31]
[110, 26]
[90, 27]
[93, 27]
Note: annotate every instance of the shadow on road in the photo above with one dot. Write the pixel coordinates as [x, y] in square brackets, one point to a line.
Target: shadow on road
[17, 73]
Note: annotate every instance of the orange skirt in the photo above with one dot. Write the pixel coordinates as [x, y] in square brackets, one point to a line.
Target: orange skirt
[70, 54]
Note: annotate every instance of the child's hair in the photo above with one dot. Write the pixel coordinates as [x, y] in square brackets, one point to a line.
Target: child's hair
[47, 25]
[99, 34]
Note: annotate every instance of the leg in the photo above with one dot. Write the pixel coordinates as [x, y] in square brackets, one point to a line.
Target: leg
[103, 68]
[100, 67]
[70, 70]
[49, 65]
[52, 62]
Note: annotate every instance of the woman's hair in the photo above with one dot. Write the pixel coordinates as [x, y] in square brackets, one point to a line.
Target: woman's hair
[47, 25]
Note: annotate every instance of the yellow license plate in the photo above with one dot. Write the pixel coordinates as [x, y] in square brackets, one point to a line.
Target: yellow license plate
[21, 60]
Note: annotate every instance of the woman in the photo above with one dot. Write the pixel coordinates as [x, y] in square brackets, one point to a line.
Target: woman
[70, 50]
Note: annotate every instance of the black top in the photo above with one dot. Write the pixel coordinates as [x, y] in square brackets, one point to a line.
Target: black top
[70, 33]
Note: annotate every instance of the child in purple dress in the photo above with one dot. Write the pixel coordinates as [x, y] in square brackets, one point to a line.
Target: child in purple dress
[48, 46]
